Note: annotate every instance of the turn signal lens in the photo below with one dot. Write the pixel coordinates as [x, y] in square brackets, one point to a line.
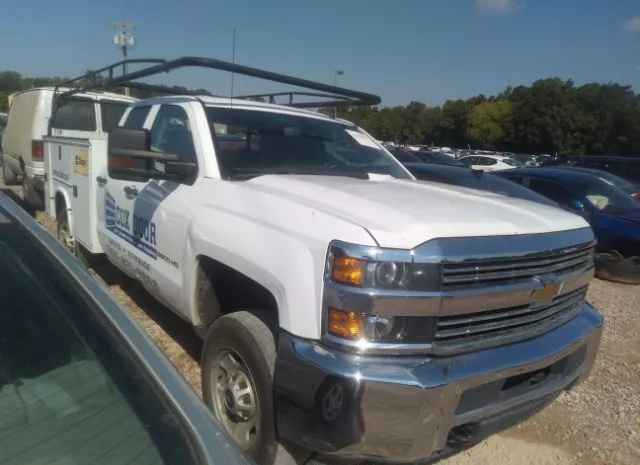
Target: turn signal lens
[359, 326]
[346, 325]
[347, 270]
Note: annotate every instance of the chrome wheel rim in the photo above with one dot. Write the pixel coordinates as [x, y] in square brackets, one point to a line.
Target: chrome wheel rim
[235, 402]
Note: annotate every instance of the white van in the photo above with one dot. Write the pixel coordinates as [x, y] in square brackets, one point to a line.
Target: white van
[80, 116]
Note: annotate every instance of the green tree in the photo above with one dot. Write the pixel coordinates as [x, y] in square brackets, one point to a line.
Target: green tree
[489, 122]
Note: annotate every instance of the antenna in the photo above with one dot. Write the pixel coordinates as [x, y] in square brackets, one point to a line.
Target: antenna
[233, 61]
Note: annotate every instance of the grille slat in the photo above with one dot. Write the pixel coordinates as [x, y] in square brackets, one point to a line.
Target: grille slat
[533, 316]
[495, 324]
[508, 271]
[512, 313]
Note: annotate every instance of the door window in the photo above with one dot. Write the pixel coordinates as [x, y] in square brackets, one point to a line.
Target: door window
[555, 192]
[71, 390]
[171, 133]
[136, 117]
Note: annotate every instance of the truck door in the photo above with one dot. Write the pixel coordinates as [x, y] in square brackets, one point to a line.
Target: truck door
[114, 205]
[161, 209]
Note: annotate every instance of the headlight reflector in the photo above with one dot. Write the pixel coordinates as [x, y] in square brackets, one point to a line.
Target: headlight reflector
[368, 328]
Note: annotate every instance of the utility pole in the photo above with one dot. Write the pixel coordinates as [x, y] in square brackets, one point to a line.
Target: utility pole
[124, 40]
[336, 73]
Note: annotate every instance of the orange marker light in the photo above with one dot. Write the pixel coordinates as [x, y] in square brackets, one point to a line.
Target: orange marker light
[347, 270]
[347, 325]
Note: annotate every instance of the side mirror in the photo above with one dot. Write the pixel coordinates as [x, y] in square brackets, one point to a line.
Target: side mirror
[130, 158]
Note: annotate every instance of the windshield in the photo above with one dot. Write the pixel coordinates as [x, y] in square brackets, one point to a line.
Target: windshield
[512, 162]
[252, 143]
[606, 197]
[624, 184]
[71, 391]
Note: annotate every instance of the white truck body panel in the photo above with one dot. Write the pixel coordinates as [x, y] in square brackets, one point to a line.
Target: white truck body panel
[71, 169]
[404, 214]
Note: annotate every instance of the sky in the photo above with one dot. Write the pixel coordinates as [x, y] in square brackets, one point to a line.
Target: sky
[402, 50]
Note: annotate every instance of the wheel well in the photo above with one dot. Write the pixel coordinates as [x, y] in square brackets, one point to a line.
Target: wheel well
[60, 203]
[222, 290]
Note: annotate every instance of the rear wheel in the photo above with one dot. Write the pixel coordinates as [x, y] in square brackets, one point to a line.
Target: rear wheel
[64, 234]
[8, 176]
[66, 238]
[238, 362]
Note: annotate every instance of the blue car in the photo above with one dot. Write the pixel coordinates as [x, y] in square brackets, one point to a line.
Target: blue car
[611, 212]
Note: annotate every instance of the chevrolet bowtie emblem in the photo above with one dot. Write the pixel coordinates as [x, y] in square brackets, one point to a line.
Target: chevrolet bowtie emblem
[549, 291]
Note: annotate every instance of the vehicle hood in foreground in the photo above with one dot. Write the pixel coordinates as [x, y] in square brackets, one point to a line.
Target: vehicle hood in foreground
[407, 213]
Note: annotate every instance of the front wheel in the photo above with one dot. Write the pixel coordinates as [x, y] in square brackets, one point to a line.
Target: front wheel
[238, 361]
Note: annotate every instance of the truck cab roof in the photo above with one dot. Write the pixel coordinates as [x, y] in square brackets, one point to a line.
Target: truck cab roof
[237, 103]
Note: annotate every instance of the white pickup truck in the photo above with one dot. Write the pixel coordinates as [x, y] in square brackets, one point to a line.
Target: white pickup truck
[345, 307]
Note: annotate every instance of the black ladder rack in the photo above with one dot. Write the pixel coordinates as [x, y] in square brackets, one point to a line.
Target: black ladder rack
[337, 96]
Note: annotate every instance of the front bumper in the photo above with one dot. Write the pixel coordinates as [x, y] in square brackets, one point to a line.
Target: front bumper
[406, 409]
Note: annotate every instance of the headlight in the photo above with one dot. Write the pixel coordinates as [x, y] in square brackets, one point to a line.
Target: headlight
[382, 270]
[356, 276]
[367, 328]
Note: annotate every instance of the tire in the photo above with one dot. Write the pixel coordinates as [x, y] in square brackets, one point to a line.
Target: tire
[245, 338]
[8, 176]
[617, 269]
[25, 190]
[85, 257]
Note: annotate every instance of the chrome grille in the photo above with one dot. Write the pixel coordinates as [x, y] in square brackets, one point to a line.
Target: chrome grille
[491, 272]
[520, 322]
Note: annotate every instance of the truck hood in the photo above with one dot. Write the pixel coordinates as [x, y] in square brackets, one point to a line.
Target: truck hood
[406, 213]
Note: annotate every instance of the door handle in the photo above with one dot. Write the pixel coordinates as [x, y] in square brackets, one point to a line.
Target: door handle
[102, 180]
[131, 191]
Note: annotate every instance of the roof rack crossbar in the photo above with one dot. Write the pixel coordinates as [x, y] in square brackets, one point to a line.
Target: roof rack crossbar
[110, 68]
[338, 100]
[346, 96]
[167, 89]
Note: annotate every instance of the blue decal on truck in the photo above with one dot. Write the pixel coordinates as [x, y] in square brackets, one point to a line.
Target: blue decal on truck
[135, 229]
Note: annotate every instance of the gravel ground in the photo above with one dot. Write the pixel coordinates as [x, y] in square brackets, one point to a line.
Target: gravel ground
[596, 424]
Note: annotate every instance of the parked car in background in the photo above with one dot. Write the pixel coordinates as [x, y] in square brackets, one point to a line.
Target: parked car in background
[631, 188]
[611, 212]
[464, 177]
[80, 382]
[403, 156]
[490, 162]
[438, 158]
[627, 167]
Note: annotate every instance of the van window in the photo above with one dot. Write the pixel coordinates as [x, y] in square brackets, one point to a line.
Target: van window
[75, 114]
[71, 390]
[111, 113]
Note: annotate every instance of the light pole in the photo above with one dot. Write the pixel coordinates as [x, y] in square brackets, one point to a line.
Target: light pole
[336, 73]
[124, 40]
